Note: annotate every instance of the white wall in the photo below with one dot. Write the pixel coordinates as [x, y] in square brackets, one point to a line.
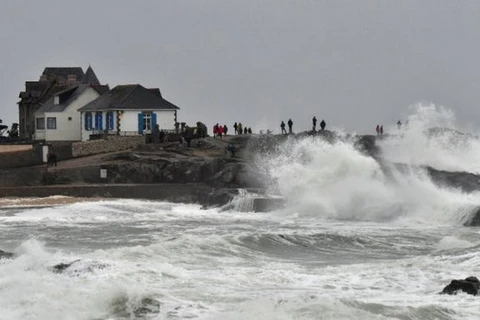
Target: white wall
[166, 119]
[69, 130]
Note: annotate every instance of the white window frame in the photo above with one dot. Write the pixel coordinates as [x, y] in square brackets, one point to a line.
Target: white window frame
[54, 122]
[147, 121]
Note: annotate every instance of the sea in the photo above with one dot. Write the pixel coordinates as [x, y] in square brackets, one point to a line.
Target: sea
[358, 238]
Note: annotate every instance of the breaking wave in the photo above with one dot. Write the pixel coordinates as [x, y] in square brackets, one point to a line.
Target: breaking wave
[337, 181]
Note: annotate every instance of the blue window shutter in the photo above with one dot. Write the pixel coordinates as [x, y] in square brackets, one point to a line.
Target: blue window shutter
[85, 121]
[140, 123]
[100, 121]
[154, 120]
[90, 121]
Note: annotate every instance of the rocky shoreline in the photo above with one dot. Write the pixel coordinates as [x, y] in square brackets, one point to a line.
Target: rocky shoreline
[203, 173]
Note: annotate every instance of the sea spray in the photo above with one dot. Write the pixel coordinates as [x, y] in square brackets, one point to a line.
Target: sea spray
[337, 181]
[430, 136]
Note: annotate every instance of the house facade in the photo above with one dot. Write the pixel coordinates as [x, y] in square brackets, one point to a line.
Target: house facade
[52, 81]
[58, 119]
[127, 110]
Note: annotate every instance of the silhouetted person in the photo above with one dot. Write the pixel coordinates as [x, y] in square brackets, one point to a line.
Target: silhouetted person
[377, 129]
[282, 125]
[381, 130]
[290, 125]
[323, 125]
[235, 127]
[225, 129]
[245, 131]
[249, 130]
[239, 128]
[51, 160]
[314, 121]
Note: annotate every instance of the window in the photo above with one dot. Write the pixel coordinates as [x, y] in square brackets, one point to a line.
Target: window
[88, 121]
[147, 121]
[51, 123]
[40, 123]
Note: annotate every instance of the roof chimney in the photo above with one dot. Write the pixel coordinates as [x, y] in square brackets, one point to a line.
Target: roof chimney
[71, 80]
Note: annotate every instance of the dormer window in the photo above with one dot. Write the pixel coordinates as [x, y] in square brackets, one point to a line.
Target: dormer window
[56, 99]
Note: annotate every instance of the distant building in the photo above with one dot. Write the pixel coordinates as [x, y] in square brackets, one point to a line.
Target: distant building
[37, 93]
[58, 119]
[128, 110]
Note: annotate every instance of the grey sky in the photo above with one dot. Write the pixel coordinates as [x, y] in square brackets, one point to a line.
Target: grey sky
[354, 63]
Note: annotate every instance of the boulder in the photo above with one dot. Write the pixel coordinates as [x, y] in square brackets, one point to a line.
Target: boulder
[470, 285]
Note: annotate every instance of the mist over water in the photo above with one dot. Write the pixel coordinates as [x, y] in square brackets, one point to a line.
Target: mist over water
[359, 238]
[430, 136]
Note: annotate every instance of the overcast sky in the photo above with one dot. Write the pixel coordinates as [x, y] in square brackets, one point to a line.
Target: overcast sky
[354, 63]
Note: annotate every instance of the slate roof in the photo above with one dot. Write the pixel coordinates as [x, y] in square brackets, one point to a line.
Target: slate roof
[90, 77]
[63, 72]
[67, 96]
[129, 97]
[155, 91]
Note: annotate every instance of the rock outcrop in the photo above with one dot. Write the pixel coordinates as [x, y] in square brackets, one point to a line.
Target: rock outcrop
[470, 285]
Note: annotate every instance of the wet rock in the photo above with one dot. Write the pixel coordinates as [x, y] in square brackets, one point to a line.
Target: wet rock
[465, 181]
[470, 285]
[5, 255]
[61, 267]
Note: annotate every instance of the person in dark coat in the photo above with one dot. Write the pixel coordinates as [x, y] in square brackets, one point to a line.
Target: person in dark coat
[290, 125]
[377, 129]
[323, 125]
[381, 130]
[282, 125]
[245, 131]
[225, 129]
[249, 130]
[235, 127]
[314, 121]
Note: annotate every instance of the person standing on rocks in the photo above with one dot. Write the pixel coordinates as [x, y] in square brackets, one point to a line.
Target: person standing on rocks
[235, 127]
[239, 128]
[377, 129]
[282, 125]
[381, 130]
[290, 125]
[323, 125]
[225, 129]
[314, 121]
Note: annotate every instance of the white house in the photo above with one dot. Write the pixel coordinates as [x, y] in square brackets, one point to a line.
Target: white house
[128, 110]
[58, 119]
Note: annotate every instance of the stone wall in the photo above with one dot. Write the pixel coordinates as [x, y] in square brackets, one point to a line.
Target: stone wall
[24, 158]
[112, 144]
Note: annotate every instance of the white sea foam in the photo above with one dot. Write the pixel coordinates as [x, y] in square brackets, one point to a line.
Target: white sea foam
[433, 138]
[337, 181]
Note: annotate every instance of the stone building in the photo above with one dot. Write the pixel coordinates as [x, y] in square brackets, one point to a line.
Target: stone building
[52, 81]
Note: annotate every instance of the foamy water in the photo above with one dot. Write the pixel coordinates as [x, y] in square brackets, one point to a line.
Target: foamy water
[353, 242]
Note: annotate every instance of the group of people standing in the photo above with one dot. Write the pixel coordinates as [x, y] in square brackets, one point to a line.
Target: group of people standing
[379, 130]
[239, 129]
[323, 124]
[219, 130]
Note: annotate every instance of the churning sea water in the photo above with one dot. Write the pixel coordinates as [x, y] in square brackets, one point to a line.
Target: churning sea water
[352, 242]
